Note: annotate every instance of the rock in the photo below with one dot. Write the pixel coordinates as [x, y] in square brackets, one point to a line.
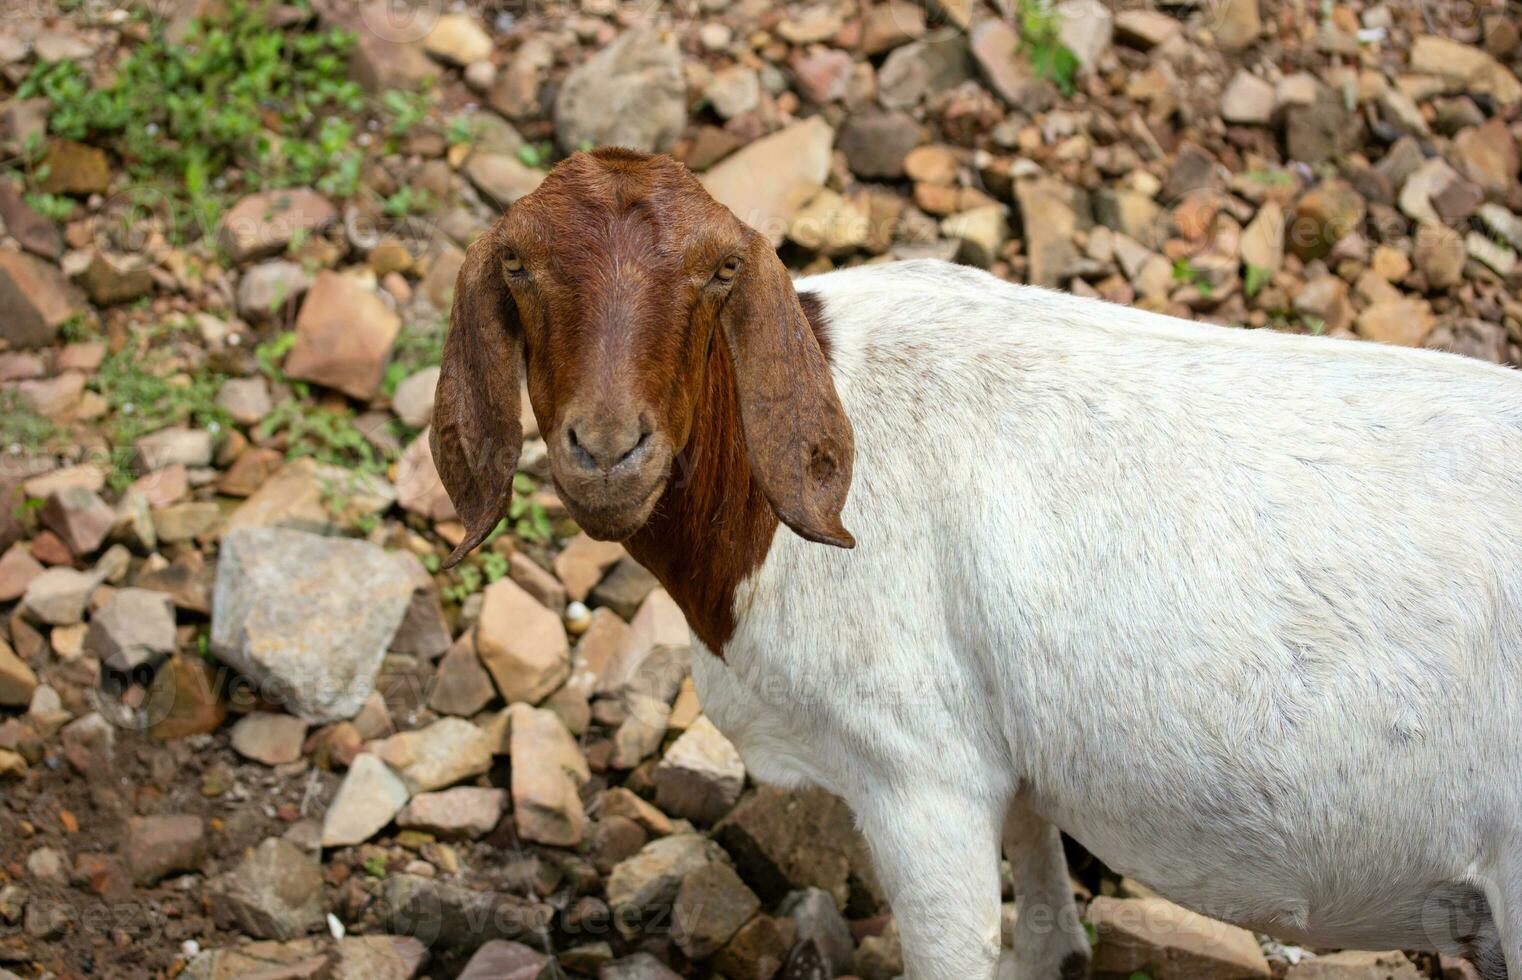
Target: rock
[583, 562]
[36, 234]
[300, 959]
[933, 64]
[631, 93]
[1505, 224]
[379, 958]
[504, 960]
[711, 906]
[614, 839]
[183, 699]
[734, 91]
[268, 290]
[1488, 156]
[75, 168]
[110, 280]
[451, 915]
[388, 50]
[829, 225]
[1323, 216]
[537, 582]
[649, 882]
[757, 951]
[784, 841]
[889, 24]
[879, 957]
[458, 39]
[264, 224]
[1323, 131]
[1248, 99]
[1325, 298]
[311, 496]
[273, 893]
[461, 684]
[176, 445]
[1170, 943]
[465, 811]
[444, 753]
[813, 24]
[995, 46]
[1500, 258]
[1238, 24]
[521, 643]
[35, 300]
[876, 143]
[413, 401]
[1262, 241]
[1353, 965]
[368, 798]
[819, 921]
[1471, 67]
[824, 76]
[516, 92]
[1396, 321]
[1086, 29]
[159, 846]
[548, 772]
[79, 517]
[701, 776]
[134, 628]
[17, 570]
[1144, 28]
[1440, 254]
[982, 232]
[308, 616]
[502, 177]
[17, 681]
[640, 966]
[246, 400]
[1049, 220]
[270, 738]
[419, 489]
[766, 182]
[57, 597]
[624, 588]
[344, 335]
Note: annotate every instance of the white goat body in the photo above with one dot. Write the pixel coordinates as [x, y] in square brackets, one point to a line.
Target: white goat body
[1239, 611]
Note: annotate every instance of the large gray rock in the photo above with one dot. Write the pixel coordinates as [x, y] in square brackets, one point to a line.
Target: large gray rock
[452, 915]
[631, 93]
[309, 617]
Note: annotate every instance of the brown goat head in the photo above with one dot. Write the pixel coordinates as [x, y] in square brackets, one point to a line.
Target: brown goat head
[615, 284]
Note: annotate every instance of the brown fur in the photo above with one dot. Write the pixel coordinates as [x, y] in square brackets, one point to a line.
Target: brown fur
[622, 321]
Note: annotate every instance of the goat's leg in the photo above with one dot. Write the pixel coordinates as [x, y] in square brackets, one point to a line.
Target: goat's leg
[937, 856]
[1049, 943]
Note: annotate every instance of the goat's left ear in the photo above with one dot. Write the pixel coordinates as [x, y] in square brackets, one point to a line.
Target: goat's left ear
[797, 436]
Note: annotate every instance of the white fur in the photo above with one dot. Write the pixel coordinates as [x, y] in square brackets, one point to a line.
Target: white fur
[1239, 611]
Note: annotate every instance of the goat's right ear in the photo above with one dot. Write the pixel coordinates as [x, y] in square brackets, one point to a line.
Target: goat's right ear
[477, 435]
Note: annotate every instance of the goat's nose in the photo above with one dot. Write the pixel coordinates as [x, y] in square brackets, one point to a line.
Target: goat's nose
[604, 445]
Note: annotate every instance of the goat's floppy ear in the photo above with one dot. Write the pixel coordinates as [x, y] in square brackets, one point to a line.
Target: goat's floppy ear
[477, 435]
[797, 436]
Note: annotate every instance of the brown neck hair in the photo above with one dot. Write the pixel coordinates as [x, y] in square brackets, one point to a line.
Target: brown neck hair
[713, 526]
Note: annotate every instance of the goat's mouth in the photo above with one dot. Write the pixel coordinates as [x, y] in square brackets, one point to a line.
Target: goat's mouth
[613, 509]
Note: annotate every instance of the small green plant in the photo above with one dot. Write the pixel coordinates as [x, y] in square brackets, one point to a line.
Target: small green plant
[432, 563]
[468, 584]
[529, 519]
[536, 154]
[493, 565]
[1315, 325]
[459, 132]
[146, 391]
[324, 434]
[1040, 27]
[54, 207]
[407, 109]
[1256, 278]
[1270, 178]
[406, 201]
[375, 866]
[417, 346]
[269, 354]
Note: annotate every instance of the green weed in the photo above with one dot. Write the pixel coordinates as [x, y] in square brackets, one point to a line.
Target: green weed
[1039, 42]
[22, 429]
[146, 392]
[324, 434]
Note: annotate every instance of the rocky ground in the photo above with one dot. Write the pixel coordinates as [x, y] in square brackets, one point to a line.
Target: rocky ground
[248, 728]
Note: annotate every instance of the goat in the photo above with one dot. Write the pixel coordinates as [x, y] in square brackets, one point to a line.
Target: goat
[1241, 612]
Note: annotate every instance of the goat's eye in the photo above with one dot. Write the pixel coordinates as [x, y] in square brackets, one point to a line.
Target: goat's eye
[511, 260]
[728, 268]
